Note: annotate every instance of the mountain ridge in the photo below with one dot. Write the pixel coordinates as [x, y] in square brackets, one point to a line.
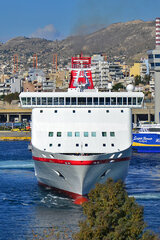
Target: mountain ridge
[127, 40]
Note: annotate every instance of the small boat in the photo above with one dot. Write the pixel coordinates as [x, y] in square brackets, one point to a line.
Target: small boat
[146, 138]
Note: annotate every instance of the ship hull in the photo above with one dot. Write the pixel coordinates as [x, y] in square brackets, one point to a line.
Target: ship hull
[77, 175]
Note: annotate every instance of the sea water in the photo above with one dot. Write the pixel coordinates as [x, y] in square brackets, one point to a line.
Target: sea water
[26, 207]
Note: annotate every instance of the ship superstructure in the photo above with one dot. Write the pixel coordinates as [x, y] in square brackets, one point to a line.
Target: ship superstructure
[82, 136]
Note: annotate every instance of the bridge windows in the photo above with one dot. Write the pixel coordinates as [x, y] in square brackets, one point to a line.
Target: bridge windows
[44, 101]
[81, 101]
[23, 99]
[101, 101]
[73, 101]
[89, 101]
[38, 101]
[84, 101]
[28, 101]
[33, 101]
[113, 101]
[55, 101]
[49, 101]
[95, 101]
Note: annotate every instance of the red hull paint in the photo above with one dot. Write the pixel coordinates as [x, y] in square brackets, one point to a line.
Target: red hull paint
[82, 162]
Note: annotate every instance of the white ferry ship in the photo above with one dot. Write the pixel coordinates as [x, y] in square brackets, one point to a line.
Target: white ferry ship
[82, 136]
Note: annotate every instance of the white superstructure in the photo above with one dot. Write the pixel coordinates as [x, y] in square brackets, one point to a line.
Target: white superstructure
[80, 138]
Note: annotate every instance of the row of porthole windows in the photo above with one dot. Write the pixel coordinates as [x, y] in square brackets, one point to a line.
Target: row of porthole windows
[74, 111]
[77, 145]
[78, 134]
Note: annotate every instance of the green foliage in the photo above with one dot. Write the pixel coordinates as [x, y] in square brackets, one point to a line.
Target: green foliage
[13, 96]
[112, 215]
[117, 86]
[137, 80]
[146, 79]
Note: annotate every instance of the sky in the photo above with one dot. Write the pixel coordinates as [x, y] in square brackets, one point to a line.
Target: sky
[58, 19]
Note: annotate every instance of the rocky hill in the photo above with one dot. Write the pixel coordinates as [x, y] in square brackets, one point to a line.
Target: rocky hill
[129, 41]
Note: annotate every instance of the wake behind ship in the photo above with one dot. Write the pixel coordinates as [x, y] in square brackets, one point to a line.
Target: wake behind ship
[82, 136]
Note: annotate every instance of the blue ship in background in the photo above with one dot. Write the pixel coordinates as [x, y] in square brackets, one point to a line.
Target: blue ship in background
[147, 138]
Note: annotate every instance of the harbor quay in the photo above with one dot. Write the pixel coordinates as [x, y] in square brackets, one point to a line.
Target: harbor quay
[20, 115]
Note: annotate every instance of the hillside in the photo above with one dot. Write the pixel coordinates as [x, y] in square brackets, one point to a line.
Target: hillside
[129, 40]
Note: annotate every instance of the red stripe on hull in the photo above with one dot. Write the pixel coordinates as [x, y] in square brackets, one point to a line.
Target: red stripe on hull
[61, 191]
[82, 162]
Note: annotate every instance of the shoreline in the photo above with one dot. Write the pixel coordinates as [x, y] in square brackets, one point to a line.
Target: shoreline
[15, 136]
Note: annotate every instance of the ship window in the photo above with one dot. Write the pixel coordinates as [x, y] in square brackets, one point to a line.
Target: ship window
[86, 145]
[73, 101]
[59, 134]
[55, 101]
[107, 111]
[157, 64]
[55, 111]
[61, 101]
[77, 134]
[112, 134]
[129, 101]
[89, 111]
[24, 101]
[89, 101]
[113, 101]
[74, 111]
[104, 134]
[43, 101]
[95, 101]
[33, 101]
[50, 134]
[104, 145]
[121, 111]
[68, 101]
[49, 101]
[81, 101]
[157, 55]
[69, 134]
[50, 144]
[139, 101]
[85, 134]
[28, 101]
[101, 101]
[134, 101]
[124, 101]
[93, 134]
[41, 111]
[77, 145]
[38, 101]
[119, 101]
[108, 101]
[59, 145]
[112, 144]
